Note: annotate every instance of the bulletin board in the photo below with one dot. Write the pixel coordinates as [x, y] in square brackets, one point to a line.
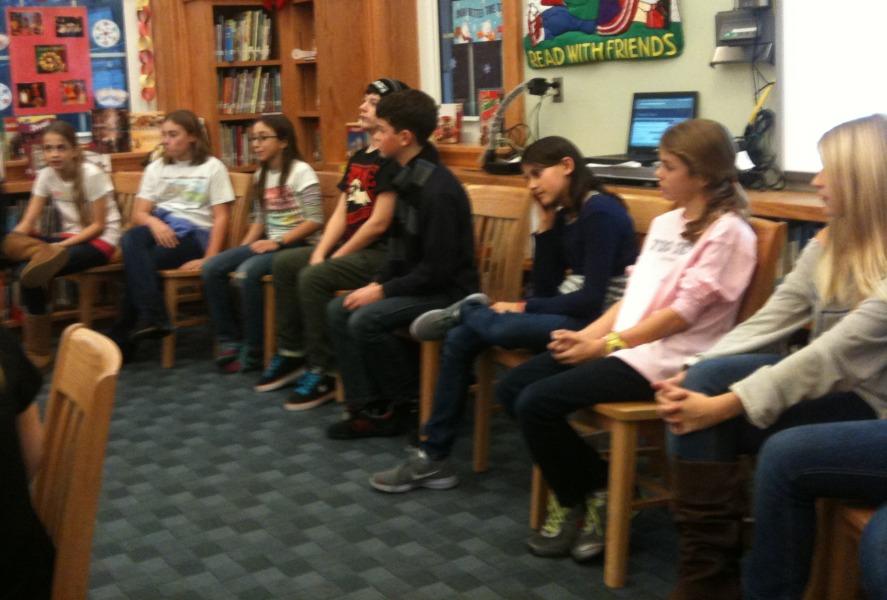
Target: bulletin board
[46, 50]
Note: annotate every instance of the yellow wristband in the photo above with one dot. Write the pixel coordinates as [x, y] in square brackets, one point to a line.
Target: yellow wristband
[613, 342]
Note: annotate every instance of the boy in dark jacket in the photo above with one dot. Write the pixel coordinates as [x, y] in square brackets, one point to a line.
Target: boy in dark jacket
[430, 265]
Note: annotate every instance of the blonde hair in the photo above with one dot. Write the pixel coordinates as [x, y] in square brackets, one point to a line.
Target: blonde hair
[854, 263]
[707, 149]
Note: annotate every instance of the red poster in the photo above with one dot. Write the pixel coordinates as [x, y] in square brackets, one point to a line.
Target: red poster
[49, 60]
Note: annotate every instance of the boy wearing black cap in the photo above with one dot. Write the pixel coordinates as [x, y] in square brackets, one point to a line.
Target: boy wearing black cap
[430, 265]
[306, 279]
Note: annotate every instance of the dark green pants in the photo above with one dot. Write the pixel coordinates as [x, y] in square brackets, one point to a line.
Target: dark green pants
[302, 292]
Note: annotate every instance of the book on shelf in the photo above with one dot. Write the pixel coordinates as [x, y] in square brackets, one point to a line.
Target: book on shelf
[250, 90]
[243, 37]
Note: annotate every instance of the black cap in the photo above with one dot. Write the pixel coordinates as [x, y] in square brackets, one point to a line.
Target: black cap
[384, 86]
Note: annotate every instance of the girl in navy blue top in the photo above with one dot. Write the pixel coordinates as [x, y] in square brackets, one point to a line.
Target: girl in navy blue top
[584, 242]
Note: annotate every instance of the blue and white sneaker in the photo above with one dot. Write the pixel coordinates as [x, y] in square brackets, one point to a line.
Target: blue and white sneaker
[313, 388]
[281, 371]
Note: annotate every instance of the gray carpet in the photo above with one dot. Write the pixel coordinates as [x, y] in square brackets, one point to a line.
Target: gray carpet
[214, 491]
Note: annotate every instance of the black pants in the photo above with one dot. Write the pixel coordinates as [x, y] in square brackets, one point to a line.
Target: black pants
[542, 393]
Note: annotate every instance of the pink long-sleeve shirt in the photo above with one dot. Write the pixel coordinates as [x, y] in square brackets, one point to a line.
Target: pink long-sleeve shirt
[703, 282]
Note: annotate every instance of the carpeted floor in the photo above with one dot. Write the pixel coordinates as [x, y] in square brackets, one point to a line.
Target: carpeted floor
[213, 491]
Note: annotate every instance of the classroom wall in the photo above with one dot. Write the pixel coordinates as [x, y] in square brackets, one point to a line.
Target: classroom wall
[597, 97]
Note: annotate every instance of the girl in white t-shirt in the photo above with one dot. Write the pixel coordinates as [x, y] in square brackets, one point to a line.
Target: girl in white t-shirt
[89, 229]
[179, 220]
[288, 212]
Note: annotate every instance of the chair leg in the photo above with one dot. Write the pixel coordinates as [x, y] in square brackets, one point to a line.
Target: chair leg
[87, 286]
[270, 343]
[623, 447]
[428, 372]
[171, 298]
[483, 404]
[538, 498]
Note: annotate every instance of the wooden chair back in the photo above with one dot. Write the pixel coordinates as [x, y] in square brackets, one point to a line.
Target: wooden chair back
[501, 228]
[126, 187]
[771, 240]
[78, 415]
[241, 210]
[329, 191]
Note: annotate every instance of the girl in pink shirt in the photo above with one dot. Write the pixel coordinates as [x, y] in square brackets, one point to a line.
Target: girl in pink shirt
[682, 295]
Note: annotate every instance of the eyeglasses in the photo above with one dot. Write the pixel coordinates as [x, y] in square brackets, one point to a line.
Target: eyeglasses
[260, 138]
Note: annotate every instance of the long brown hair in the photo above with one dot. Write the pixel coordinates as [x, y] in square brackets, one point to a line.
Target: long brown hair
[707, 150]
[68, 133]
[188, 121]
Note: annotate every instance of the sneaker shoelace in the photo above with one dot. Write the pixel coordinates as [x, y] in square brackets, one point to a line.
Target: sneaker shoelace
[557, 514]
[276, 361]
[307, 382]
[593, 521]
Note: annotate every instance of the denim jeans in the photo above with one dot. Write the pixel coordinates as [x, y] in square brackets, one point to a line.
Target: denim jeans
[480, 328]
[542, 393]
[726, 440]
[248, 268]
[142, 258]
[80, 257]
[797, 466]
[374, 363]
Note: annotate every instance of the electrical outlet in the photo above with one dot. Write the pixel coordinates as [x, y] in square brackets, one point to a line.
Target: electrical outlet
[558, 89]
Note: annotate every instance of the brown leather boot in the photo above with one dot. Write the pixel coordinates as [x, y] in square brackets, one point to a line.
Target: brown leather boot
[708, 509]
[44, 260]
[37, 338]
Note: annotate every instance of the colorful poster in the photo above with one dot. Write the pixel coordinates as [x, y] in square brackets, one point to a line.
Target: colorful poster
[49, 60]
[571, 32]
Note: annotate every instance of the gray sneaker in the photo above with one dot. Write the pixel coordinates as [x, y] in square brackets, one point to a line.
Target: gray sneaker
[434, 324]
[590, 542]
[418, 471]
[562, 526]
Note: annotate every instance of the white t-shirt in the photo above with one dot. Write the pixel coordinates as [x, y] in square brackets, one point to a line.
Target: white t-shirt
[187, 191]
[96, 184]
[283, 207]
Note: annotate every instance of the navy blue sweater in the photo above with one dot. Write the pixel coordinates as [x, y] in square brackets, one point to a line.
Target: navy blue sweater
[599, 244]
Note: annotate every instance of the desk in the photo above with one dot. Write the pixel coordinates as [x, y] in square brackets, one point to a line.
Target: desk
[794, 206]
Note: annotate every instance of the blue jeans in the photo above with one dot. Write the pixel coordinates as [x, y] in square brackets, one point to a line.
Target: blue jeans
[726, 440]
[248, 268]
[80, 257]
[375, 364]
[480, 328]
[797, 466]
[142, 258]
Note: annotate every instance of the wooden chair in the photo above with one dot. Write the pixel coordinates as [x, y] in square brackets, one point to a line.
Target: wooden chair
[329, 189]
[500, 215]
[627, 421]
[835, 569]
[643, 209]
[78, 415]
[90, 282]
[180, 287]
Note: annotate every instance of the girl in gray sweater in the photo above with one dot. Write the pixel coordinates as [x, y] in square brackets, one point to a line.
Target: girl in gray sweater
[746, 388]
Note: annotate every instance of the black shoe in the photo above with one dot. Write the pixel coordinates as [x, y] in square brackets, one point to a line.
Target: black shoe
[120, 337]
[145, 330]
[367, 423]
[281, 371]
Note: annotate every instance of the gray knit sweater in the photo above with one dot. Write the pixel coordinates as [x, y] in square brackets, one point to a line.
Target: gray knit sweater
[847, 349]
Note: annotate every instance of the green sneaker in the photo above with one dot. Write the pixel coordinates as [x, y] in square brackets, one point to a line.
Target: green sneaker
[590, 541]
[556, 537]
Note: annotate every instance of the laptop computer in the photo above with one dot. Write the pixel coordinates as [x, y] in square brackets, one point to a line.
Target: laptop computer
[651, 114]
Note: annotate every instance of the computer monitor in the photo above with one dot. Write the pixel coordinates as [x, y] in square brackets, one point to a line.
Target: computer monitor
[653, 113]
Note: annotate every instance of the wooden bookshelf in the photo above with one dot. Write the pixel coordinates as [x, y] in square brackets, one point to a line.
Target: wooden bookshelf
[356, 41]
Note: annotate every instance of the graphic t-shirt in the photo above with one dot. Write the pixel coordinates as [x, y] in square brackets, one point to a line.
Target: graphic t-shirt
[96, 184]
[284, 207]
[366, 174]
[187, 191]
